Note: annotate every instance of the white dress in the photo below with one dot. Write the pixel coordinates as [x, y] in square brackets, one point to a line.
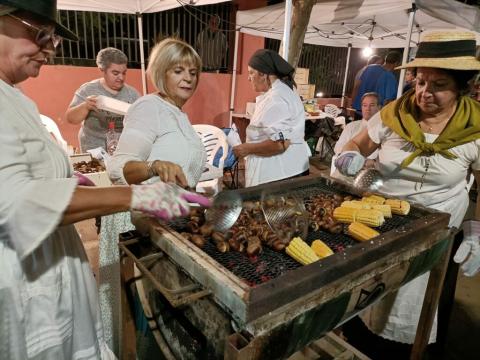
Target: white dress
[47, 289]
[444, 188]
[153, 130]
[279, 110]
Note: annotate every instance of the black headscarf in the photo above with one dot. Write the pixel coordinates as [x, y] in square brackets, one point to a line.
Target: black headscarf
[270, 63]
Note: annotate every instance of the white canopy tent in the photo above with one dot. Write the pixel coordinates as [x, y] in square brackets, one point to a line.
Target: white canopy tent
[362, 23]
[137, 7]
[381, 23]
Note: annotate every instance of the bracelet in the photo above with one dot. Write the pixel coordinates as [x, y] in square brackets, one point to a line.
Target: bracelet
[150, 171]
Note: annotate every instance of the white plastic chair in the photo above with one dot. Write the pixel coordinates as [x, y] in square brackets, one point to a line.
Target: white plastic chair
[213, 139]
[53, 129]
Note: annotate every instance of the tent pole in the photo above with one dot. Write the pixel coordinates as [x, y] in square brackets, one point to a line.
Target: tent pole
[342, 104]
[406, 50]
[234, 78]
[286, 30]
[142, 55]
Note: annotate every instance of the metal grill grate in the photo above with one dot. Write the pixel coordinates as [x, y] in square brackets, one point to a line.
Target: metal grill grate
[270, 264]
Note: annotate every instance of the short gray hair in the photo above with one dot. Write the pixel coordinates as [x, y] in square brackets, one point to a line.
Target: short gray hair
[109, 56]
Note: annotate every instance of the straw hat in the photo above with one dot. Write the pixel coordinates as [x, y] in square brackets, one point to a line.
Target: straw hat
[446, 49]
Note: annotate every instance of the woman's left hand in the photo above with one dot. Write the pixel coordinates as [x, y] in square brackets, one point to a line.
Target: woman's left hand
[241, 150]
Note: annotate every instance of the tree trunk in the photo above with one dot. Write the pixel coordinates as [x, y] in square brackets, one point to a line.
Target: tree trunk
[300, 18]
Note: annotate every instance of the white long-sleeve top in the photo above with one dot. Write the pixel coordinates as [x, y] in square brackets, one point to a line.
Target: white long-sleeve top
[279, 110]
[46, 283]
[156, 130]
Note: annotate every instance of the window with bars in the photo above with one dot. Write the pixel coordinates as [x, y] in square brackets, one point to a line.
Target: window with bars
[99, 30]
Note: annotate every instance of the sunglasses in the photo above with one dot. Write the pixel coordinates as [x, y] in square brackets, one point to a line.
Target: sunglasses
[43, 35]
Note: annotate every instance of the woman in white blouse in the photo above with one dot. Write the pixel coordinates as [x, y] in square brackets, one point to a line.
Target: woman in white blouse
[158, 142]
[155, 126]
[428, 142]
[275, 147]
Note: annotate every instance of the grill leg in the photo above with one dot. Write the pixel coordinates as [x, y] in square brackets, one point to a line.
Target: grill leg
[430, 303]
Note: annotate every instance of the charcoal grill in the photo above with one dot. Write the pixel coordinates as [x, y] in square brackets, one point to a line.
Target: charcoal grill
[269, 306]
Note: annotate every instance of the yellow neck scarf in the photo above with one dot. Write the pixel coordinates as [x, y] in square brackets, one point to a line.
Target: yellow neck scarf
[463, 127]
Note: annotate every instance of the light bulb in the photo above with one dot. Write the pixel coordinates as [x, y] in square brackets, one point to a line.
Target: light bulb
[367, 51]
[319, 94]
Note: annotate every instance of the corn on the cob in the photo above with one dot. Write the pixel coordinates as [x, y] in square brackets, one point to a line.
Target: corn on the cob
[355, 204]
[367, 216]
[370, 217]
[400, 207]
[301, 252]
[384, 208]
[321, 249]
[375, 199]
[344, 214]
[361, 232]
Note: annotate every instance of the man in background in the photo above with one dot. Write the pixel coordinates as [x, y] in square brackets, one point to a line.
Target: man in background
[410, 75]
[379, 79]
[211, 45]
[374, 59]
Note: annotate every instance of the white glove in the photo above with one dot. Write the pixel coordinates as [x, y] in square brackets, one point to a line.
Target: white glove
[349, 163]
[164, 201]
[468, 254]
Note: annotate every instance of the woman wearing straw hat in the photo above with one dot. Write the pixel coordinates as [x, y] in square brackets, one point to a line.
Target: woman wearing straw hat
[48, 296]
[428, 142]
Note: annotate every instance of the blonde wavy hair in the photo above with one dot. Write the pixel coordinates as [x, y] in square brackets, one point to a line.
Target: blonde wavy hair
[167, 54]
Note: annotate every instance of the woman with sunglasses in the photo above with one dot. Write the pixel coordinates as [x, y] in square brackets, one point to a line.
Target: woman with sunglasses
[48, 296]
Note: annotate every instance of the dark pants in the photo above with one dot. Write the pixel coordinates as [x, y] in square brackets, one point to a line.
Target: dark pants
[376, 347]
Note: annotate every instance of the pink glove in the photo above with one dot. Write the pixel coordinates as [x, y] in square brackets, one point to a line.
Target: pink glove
[164, 201]
[82, 179]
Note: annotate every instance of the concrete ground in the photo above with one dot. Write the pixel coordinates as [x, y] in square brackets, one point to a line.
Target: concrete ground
[463, 339]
